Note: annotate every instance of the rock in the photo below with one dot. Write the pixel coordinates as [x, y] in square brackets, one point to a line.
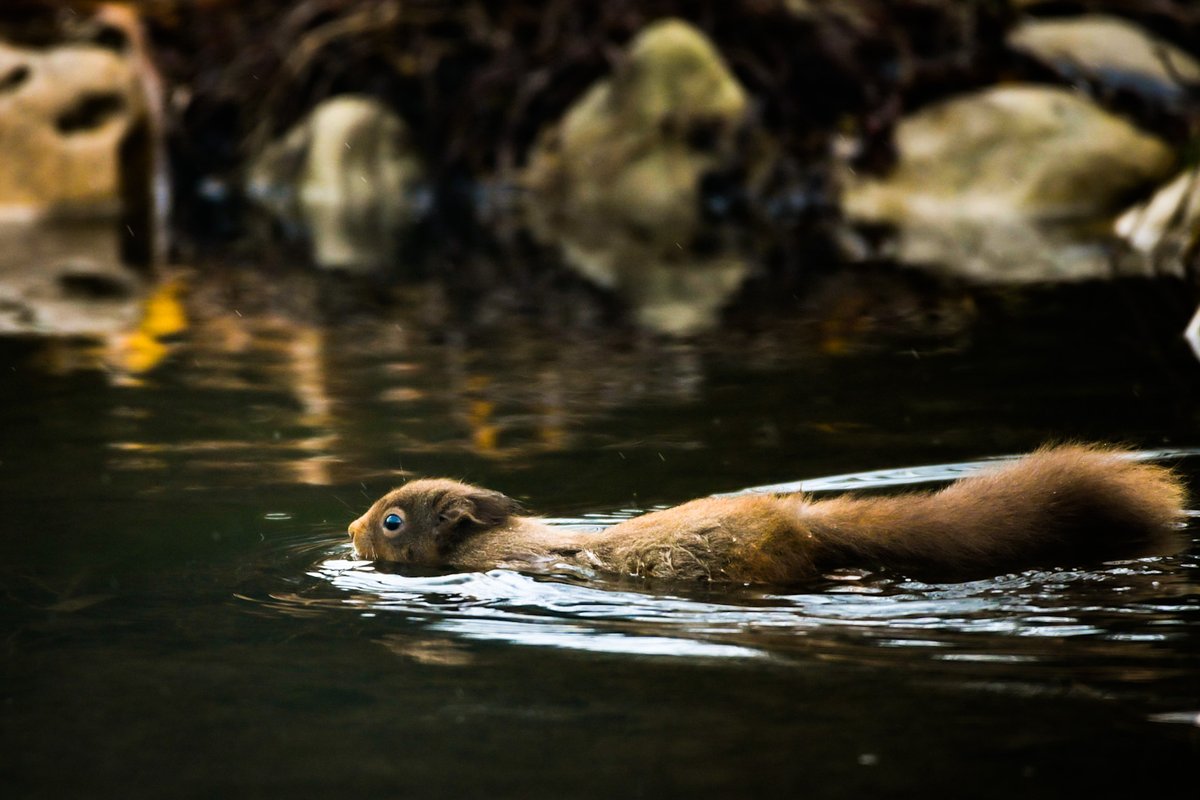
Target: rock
[616, 184]
[999, 184]
[146, 196]
[1028, 152]
[635, 147]
[81, 126]
[65, 114]
[1191, 334]
[1111, 52]
[348, 176]
[81, 181]
[1167, 226]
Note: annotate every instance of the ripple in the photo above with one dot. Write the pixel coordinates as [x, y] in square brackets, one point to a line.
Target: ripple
[1115, 615]
[1016, 619]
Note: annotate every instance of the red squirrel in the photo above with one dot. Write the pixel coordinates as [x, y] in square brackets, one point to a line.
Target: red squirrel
[1058, 505]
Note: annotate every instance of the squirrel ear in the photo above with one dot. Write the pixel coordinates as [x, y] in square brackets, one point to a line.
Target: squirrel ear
[475, 507]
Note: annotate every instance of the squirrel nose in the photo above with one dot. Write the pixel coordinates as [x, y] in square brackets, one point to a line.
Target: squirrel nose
[358, 527]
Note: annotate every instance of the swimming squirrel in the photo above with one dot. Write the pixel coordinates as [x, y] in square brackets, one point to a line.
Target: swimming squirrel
[1058, 505]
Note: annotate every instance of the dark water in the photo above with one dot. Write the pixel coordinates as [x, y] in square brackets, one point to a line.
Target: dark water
[182, 617]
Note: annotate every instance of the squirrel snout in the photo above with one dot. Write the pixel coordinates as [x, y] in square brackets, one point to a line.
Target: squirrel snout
[358, 527]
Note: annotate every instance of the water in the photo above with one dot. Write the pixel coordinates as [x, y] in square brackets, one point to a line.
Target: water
[183, 615]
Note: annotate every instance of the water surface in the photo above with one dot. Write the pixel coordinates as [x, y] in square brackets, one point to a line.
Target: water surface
[184, 616]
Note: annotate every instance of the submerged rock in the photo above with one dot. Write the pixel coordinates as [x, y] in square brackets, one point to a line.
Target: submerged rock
[1111, 52]
[348, 177]
[616, 184]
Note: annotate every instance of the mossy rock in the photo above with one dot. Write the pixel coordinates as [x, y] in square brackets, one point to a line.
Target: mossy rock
[1025, 152]
[636, 145]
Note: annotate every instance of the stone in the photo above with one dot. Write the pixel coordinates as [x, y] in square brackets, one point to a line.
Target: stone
[348, 177]
[1017, 152]
[615, 185]
[1112, 53]
[82, 183]
[635, 147]
[65, 114]
[1167, 226]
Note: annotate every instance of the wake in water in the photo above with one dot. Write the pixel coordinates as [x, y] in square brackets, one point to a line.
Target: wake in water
[851, 614]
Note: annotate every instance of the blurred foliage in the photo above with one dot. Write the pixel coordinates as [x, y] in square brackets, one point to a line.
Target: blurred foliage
[478, 80]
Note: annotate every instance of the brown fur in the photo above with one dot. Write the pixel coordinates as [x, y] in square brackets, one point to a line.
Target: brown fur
[1058, 505]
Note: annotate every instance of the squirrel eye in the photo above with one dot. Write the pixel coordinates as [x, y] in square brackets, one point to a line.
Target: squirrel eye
[393, 522]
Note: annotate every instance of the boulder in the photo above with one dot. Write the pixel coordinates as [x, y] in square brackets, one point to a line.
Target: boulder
[615, 185]
[1011, 251]
[1167, 226]
[1110, 52]
[82, 182]
[634, 148]
[1011, 152]
[65, 115]
[348, 177]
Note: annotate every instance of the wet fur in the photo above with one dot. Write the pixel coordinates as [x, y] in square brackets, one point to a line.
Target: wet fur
[1060, 505]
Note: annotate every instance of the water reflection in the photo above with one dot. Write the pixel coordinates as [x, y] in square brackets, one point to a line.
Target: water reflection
[670, 284]
[66, 278]
[278, 394]
[296, 378]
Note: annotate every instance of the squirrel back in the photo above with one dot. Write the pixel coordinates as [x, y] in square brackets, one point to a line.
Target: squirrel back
[1059, 505]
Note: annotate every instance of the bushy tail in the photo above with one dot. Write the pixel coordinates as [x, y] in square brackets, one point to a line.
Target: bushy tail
[1058, 505]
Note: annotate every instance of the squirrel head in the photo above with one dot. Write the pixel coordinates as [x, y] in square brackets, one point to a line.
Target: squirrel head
[423, 521]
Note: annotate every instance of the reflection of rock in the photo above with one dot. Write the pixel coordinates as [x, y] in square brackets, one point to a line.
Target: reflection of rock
[1011, 250]
[1168, 225]
[616, 184]
[634, 148]
[996, 184]
[1111, 52]
[669, 290]
[65, 278]
[348, 176]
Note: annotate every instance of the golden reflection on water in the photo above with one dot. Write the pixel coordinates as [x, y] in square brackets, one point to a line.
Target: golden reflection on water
[137, 353]
[280, 383]
[280, 390]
